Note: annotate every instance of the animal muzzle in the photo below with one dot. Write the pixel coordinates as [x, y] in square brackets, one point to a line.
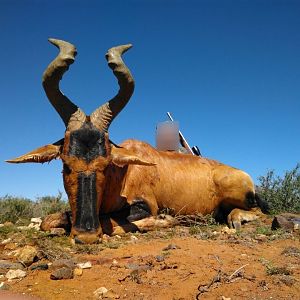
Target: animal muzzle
[86, 227]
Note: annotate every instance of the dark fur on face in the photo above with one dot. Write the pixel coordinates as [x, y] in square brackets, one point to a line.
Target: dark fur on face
[87, 142]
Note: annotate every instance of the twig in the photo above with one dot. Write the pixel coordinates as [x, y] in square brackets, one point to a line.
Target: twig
[236, 272]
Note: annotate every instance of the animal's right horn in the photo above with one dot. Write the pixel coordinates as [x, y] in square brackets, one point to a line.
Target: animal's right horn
[53, 75]
[104, 115]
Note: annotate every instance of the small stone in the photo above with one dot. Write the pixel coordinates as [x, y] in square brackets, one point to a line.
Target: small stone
[86, 265]
[57, 231]
[60, 263]
[261, 237]
[4, 286]
[40, 267]
[10, 246]
[27, 255]
[78, 272]
[7, 223]
[62, 273]
[34, 226]
[133, 238]
[36, 220]
[23, 227]
[4, 242]
[227, 230]
[111, 295]
[105, 238]
[104, 293]
[159, 258]
[6, 264]
[225, 298]
[118, 237]
[15, 274]
[100, 292]
[171, 247]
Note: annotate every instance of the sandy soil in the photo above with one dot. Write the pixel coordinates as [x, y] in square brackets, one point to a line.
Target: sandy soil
[140, 268]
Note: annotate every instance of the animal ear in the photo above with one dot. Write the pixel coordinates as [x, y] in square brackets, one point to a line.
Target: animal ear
[40, 155]
[122, 157]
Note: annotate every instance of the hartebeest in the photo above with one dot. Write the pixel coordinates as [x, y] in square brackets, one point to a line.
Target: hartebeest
[133, 178]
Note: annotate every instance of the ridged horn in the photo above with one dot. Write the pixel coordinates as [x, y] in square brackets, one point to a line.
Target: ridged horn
[104, 115]
[53, 75]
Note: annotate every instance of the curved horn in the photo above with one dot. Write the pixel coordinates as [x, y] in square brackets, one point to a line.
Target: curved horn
[103, 116]
[53, 75]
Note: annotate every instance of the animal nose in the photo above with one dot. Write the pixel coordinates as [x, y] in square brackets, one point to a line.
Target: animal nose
[78, 241]
[86, 238]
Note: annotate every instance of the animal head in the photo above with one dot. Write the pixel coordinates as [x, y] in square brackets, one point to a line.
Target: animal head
[85, 150]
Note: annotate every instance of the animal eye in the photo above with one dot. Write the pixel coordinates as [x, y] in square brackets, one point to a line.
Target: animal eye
[67, 170]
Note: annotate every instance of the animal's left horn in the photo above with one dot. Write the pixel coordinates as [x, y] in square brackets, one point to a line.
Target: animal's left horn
[53, 75]
[104, 115]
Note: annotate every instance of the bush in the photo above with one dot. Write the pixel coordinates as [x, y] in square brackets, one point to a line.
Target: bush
[14, 209]
[281, 193]
[49, 205]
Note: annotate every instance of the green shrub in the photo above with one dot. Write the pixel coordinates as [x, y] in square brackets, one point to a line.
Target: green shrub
[49, 205]
[20, 209]
[281, 193]
[12, 209]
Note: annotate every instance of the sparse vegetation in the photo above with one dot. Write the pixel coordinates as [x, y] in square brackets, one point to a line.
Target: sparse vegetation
[18, 209]
[282, 193]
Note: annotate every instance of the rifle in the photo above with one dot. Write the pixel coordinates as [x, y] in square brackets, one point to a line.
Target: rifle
[194, 150]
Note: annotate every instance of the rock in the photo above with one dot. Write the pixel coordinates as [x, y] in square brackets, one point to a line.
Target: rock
[171, 247]
[34, 226]
[133, 239]
[15, 274]
[28, 255]
[60, 263]
[227, 230]
[86, 265]
[104, 293]
[78, 272]
[62, 273]
[40, 267]
[159, 258]
[11, 246]
[4, 286]
[23, 227]
[105, 238]
[4, 242]
[7, 223]
[57, 231]
[225, 298]
[111, 295]
[100, 292]
[286, 221]
[57, 220]
[261, 237]
[36, 220]
[6, 264]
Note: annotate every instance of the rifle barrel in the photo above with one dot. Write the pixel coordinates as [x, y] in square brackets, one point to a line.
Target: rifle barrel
[184, 141]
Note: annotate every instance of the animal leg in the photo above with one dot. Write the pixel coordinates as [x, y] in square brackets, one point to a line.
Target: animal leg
[139, 209]
[57, 220]
[238, 216]
[147, 224]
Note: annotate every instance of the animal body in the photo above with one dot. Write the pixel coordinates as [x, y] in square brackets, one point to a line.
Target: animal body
[131, 181]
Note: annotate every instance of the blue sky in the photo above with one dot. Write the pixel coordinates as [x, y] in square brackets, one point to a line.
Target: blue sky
[229, 72]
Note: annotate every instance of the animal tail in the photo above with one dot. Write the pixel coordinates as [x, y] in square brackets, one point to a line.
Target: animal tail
[262, 204]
